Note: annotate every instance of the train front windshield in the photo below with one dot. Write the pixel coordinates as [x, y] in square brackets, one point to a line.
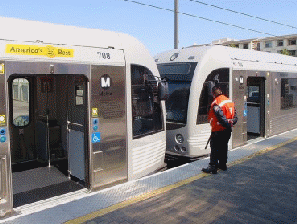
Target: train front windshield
[179, 77]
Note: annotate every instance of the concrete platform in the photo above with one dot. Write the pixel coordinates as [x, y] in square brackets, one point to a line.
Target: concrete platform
[260, 186]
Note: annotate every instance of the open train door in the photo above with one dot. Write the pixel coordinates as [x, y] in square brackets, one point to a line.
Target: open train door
[77, 127]
[249, 98]
[239, 133]
[256, 107]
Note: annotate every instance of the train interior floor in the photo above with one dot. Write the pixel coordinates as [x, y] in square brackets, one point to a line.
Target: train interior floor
[40, 183]
[251, 135]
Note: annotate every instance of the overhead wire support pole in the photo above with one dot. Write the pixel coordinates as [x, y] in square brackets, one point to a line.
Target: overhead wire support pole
[175, 24]
[199, 17]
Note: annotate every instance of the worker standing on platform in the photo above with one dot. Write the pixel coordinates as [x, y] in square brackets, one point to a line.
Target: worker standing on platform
[222, 117]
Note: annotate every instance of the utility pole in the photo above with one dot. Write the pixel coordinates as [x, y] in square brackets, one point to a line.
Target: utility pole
[175, 24]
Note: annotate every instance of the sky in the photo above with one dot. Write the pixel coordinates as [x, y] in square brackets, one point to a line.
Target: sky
[155, 27]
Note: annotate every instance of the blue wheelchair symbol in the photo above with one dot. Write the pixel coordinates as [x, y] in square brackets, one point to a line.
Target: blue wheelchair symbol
[95, 137]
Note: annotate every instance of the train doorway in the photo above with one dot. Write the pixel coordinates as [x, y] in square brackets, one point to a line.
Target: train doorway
[49, 135]
[255, 107]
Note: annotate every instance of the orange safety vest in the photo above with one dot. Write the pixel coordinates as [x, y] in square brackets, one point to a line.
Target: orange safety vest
[228, 109]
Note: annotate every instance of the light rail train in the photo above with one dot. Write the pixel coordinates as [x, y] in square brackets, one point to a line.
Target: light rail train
[76, 104]
[262, 85]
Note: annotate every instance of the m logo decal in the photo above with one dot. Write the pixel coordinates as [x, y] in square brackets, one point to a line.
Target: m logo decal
[105, 81]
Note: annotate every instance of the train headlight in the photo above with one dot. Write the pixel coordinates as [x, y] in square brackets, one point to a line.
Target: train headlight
[179, 138]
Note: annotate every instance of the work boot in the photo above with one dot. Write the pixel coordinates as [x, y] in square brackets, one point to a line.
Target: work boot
[210, 169]
[222, 167]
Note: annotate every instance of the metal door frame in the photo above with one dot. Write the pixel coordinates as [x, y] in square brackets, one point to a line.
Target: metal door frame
[85, 128]
[34, 68]
[261, 82]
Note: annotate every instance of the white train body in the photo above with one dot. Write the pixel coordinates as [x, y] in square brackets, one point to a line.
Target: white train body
[76, 95]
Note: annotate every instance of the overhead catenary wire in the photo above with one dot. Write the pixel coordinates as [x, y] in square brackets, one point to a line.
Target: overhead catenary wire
[199, 17]
[244, 14]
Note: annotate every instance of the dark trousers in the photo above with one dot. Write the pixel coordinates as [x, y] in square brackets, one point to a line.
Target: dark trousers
[219, 147]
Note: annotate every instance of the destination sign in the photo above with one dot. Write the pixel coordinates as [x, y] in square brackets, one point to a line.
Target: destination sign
[37, 50]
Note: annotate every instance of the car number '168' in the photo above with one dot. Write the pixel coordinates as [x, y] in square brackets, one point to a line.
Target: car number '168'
[103, 55]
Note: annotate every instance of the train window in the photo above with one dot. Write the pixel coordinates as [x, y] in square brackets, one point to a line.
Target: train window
[219, 77]
[204, 104]
[20, 94]
[177, 71]
[146, 107]
[174, 69]
[253, 94]
[179, 77]
[177, 103]
[288, 93]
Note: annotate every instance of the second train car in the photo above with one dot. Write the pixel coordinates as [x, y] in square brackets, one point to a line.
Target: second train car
[262, 85]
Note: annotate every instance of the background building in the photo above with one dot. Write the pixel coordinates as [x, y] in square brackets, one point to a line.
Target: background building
[277, 44]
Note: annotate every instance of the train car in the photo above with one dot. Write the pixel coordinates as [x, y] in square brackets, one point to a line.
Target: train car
[262, 85]
[79, 108]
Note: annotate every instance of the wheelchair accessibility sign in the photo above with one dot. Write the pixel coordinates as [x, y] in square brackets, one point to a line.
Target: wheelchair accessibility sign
[95, 137]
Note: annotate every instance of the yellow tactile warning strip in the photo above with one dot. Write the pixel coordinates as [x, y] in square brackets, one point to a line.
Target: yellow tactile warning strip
[263, 151]
[136, 199]
[148, 195]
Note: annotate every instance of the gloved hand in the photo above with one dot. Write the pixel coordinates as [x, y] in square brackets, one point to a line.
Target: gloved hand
[230, 121]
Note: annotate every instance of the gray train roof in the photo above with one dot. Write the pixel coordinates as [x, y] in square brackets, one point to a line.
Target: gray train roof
[58, 34]
[230, 56]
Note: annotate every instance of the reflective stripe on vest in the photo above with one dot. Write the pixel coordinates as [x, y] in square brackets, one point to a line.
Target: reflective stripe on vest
[224, 102]
[228, 109]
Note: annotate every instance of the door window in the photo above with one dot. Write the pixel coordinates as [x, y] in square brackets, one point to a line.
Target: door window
[253, 94]
[21, 109]
[79, 95]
